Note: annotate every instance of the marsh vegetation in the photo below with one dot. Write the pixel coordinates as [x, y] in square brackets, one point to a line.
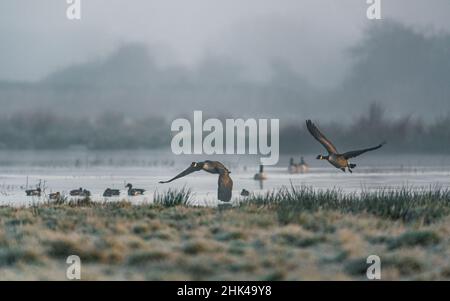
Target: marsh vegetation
[296, 233]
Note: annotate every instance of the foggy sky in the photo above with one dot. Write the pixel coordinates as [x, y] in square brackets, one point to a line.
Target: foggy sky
[313, 36]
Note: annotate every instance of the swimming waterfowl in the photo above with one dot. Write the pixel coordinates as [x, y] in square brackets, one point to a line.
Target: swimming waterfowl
[134, 191]
[245, 192]
[33, 192]
[261, 175]
[292, 166]
[80, 192]
[111, 192]
[54, 195]
[301, 167]
[336, 159]
[225, 183]
[76, 192]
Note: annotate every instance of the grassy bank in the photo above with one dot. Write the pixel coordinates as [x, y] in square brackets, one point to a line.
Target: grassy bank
[296, 233]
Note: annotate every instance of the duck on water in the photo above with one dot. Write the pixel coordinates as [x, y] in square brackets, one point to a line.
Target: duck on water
[80, 192]
[134, 191]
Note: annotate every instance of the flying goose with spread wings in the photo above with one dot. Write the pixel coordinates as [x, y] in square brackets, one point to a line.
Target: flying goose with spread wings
[338, 160]
[225, 184]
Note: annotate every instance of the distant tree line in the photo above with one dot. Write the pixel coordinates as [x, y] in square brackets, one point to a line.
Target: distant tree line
[403, 135]
[43, 130]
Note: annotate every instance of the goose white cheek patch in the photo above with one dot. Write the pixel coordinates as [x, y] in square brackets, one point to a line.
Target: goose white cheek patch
[237, 136]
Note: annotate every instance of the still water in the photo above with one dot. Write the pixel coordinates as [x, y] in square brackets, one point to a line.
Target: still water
[97, 170]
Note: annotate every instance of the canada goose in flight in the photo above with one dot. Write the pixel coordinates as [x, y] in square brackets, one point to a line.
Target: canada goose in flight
[80, 192]
[33, 192]
[111, 192]
[261, 175]
[134, 191]
[225, 183]
[336, 159]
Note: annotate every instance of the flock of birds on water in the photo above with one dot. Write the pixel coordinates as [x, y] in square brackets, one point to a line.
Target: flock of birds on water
[225, 183]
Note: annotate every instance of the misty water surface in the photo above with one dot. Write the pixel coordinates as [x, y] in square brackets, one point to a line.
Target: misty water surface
[96, 170]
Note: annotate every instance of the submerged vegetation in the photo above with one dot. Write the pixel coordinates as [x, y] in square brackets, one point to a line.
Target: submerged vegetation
[296, 233]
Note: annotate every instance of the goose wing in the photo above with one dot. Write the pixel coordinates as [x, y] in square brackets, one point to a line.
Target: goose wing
[187, 171]
[215, 167]
[225, 187]
[355, 153]
[316, 133]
